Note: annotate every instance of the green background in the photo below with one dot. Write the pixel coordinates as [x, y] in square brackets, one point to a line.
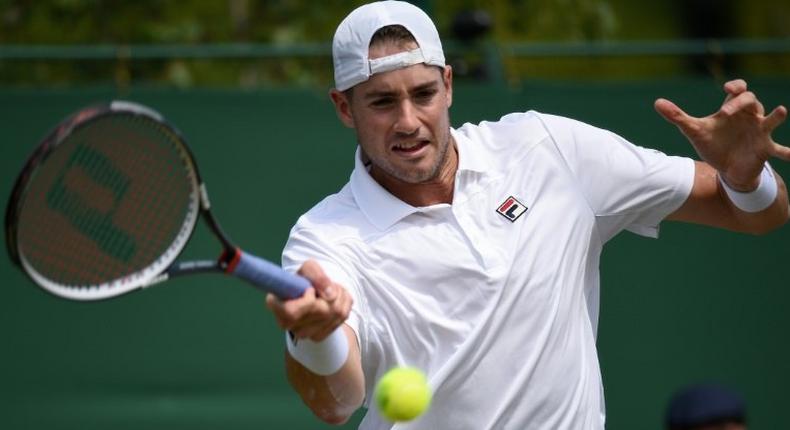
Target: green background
[203, 352]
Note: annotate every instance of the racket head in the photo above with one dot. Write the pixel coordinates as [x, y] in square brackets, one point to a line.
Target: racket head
[105, 203]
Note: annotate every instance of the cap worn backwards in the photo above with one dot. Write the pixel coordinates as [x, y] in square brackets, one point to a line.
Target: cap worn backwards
[351, 43]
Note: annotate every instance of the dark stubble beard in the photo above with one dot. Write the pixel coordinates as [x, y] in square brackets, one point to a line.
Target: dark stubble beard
[412, 176]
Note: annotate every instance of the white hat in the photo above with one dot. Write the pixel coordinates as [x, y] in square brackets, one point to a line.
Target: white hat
[352, 41]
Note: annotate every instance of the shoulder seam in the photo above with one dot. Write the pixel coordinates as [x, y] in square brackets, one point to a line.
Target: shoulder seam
[575, 179]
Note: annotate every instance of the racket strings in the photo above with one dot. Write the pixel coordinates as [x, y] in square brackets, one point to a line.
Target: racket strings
[109, 203]
[154, 230]
[42, 240]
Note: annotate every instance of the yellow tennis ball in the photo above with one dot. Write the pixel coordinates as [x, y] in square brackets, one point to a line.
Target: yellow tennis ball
[403, 394]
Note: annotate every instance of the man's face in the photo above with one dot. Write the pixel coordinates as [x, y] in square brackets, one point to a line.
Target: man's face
[401, 119]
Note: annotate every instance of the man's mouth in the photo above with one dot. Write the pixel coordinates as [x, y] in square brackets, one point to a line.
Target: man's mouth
[410, 147]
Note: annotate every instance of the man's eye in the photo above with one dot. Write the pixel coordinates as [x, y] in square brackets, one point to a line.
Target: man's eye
[381, 102]
[425, 96]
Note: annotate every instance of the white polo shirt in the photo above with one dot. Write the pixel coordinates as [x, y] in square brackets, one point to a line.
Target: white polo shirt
[495, 297]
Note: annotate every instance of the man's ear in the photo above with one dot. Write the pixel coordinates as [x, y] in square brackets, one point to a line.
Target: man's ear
[447, 79]
[342, 107]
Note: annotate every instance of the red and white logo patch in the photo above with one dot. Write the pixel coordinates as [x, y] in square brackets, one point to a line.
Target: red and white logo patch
[511, 209]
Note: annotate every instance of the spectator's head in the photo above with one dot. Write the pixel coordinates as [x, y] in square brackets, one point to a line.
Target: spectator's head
[706, 407]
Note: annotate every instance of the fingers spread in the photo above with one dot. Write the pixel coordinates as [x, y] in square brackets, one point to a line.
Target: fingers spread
[668, 110]
[734, 87]
[776, 117]
[780, 151]
[672, 113]
[744, 102]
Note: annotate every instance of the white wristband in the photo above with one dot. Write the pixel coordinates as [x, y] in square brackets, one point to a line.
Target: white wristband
[323, 358]
[760, 198]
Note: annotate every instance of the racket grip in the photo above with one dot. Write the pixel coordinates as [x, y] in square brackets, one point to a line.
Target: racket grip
[269, 277]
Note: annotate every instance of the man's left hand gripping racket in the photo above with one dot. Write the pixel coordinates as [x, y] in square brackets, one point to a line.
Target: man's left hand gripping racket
[108, 201]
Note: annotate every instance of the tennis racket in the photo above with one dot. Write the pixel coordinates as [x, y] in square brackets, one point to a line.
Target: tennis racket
[107, 202]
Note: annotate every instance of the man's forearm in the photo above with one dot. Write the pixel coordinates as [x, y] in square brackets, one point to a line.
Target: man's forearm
[332, 398]
[767, 218]
[709, 204]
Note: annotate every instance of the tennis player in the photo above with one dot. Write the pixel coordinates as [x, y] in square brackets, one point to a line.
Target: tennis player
[473, 253]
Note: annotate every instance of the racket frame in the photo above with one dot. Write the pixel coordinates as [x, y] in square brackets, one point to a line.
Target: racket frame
[165, 266]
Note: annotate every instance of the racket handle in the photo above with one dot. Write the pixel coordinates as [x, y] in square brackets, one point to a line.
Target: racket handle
[268, 276]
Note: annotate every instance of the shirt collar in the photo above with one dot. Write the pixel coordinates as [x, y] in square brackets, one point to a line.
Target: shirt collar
[383, 209]
[380, 207]
[471, 156]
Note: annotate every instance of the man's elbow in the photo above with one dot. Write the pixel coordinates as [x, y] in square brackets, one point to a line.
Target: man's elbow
[333, 407]
[325, 407]
[330, 415]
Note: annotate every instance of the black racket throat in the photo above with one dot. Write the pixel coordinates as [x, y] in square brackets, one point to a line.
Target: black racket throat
[231, 253]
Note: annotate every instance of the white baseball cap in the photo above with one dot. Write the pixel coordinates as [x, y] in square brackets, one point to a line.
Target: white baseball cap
[352, 41]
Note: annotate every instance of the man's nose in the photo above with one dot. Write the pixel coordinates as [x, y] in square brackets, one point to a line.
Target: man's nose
[407, 121]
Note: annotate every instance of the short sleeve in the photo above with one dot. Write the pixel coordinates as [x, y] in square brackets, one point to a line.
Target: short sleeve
[303, 245]
[627, 186]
